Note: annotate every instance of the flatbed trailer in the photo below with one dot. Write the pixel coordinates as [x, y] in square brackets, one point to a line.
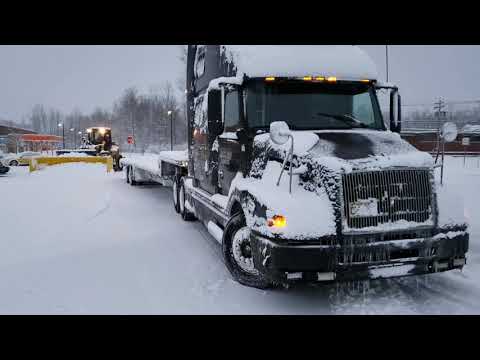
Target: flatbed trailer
[162, 169]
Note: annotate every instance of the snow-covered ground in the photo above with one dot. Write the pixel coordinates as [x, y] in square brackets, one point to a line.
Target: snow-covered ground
[75, 239]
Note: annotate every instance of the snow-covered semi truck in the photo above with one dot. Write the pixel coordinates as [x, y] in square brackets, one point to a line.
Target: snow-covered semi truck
[293, 169]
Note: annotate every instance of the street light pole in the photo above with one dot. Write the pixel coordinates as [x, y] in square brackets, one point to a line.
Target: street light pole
[170, 113]
[63, 134]
[72, 130]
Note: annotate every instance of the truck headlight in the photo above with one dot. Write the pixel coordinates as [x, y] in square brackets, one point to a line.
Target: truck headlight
[277, 221]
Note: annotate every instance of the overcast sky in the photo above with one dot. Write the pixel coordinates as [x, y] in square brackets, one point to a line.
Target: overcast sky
[83, 77]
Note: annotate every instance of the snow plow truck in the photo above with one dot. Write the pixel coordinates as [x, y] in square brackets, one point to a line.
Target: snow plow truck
[295, 171]
[98, 142]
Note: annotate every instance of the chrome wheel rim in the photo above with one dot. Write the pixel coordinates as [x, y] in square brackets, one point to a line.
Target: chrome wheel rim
[242, 252]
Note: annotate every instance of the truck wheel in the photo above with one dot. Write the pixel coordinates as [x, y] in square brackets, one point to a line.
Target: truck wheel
[131, 174]
[127, 175]
[116, 164]
[186, 215]
[13, 163]
[176, 204]
[120, 166]
[237, 254]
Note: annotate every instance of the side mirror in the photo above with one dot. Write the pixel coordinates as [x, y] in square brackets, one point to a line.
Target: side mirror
[395, 111]
[279, 132]
[449, 132]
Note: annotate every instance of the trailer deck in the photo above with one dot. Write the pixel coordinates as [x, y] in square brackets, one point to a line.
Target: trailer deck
[154, 168]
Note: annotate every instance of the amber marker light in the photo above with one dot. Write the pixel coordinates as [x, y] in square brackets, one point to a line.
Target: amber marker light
[277, 221]
[270, 78]
[331, 79]
[320, 78]
[307, 78]
[365, 81]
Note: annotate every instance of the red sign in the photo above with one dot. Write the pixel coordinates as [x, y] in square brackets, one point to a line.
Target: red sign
[130, 139]
[40, 138]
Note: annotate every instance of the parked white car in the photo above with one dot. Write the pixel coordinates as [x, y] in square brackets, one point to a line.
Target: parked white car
[20, 158]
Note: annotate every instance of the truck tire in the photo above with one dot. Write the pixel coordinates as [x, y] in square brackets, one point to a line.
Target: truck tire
[127, 175]
[238, 256]
[176, 204]
[131, 174]
[117, 166]
[184, 212]
[13, 163]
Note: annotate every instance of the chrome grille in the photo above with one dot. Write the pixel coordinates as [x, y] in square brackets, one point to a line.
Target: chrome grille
[371, 198]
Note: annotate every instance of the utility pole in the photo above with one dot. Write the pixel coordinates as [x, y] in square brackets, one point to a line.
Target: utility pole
[170, 113]
[438, 106]
[63, 133]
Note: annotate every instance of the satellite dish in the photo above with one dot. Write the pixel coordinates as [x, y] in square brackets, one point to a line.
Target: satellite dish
[449, 132]
[279, 132]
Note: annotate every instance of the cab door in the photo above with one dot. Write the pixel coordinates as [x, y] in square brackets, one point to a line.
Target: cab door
[200, 144]
[231, 151]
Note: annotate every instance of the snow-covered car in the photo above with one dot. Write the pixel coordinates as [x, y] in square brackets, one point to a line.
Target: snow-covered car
[21, 159]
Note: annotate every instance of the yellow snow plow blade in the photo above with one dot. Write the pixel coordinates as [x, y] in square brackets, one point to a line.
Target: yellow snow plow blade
[39, 162]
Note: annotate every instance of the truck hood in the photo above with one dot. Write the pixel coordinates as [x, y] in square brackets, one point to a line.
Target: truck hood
[366, 149]
[355, 149]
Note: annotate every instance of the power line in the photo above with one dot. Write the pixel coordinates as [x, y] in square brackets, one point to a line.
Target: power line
[465, 102]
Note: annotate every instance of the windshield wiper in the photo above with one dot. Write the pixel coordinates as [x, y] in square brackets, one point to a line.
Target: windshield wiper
[346, 118]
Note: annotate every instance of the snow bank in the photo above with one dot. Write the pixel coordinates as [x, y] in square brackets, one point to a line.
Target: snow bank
[74, 154]
[451, 210]
[308, 214]
[345, 62]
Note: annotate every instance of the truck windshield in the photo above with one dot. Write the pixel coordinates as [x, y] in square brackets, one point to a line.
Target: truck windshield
[313, 106]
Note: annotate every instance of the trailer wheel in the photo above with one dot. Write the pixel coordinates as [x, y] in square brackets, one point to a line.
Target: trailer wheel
[176, 204]
[131, 174]
[238, 255]
[117, 166]
[184, 212]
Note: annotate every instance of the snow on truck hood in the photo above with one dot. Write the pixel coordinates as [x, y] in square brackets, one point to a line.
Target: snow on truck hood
[347, 62]
[348, 150]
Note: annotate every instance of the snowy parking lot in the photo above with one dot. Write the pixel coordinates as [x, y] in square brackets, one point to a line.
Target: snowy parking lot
[75, 239]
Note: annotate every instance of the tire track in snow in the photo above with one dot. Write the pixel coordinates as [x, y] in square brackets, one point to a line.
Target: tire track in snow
[103, 209]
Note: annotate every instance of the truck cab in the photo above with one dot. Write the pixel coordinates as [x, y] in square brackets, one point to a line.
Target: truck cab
[294, 170]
